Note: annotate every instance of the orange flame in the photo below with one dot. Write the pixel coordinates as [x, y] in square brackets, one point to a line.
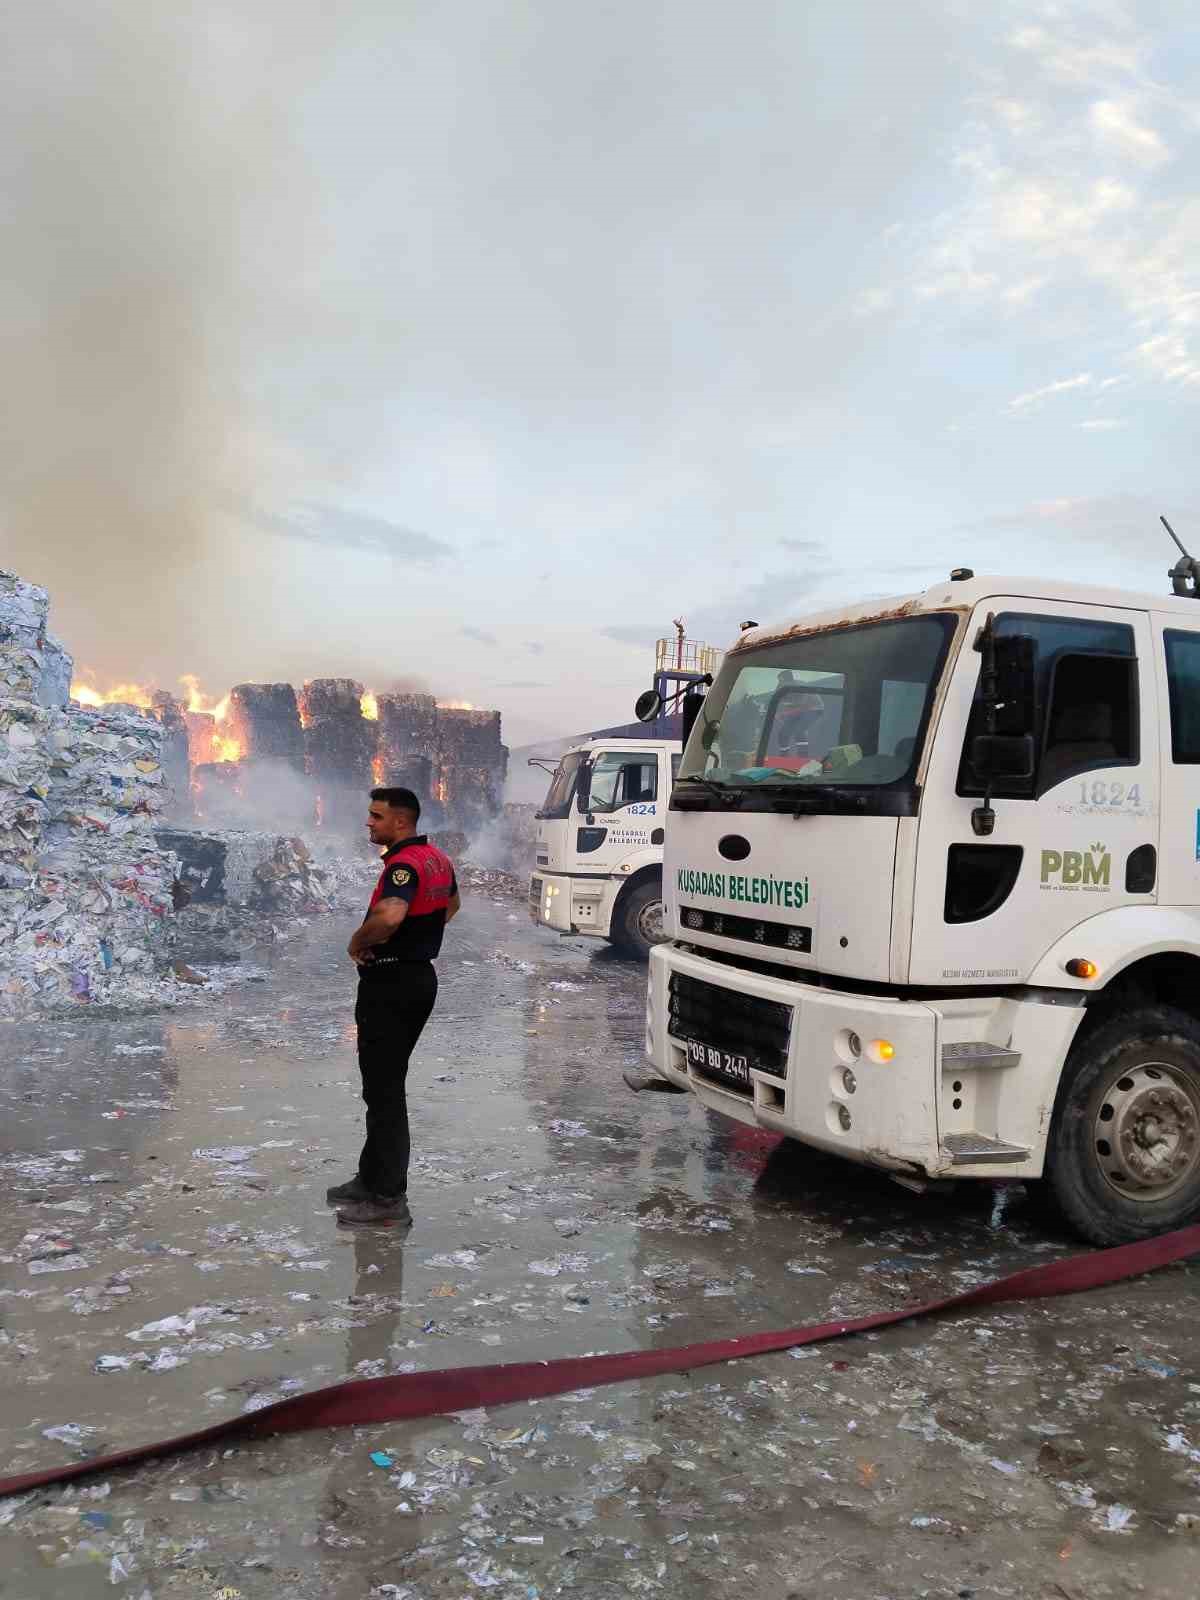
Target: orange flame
[224, 746]
[377, 772]
[456, 705]
[225, 749]
[131, 694]
[370, 707]
[199, 701]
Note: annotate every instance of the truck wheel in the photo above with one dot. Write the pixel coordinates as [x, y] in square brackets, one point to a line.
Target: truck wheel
[1123, 1159]
[641, 920]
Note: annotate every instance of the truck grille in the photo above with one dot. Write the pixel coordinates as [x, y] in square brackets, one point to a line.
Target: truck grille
[535, 892]
[776, 935]
[743, 1024]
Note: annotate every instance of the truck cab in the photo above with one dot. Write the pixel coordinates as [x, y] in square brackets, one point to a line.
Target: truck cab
[600, 829]
[932, 890]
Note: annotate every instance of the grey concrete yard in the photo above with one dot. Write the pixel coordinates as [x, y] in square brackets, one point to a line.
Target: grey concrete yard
[170, 1169]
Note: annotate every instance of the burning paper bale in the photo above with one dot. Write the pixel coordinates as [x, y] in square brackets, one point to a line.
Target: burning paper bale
[407, 741]
[451, 755]
[264, 721]
[340, 744]
[201, 733]
[471, 765]
[176, 757]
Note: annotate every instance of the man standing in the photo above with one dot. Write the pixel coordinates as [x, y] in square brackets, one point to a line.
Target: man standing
[394, 950]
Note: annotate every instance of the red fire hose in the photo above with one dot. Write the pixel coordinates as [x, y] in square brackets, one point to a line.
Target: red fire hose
[433, 1394]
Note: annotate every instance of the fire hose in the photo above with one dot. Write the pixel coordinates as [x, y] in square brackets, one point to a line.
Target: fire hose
[409, 1396]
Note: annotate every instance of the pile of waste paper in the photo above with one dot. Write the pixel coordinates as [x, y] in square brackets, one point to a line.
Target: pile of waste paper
[85, 891]
[102, 903]
[239, 889]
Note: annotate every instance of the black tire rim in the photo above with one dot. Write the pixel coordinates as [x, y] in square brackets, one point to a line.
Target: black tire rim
[1146, 1131]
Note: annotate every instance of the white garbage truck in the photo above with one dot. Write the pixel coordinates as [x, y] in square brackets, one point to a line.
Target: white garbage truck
[598, 862]
[932, 891]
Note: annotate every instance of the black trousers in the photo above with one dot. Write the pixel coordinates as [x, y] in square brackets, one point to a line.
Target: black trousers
[390, 1014]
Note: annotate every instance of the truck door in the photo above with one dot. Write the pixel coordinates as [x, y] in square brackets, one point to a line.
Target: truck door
[1179, 875]
[619, 808]
[1078, 837]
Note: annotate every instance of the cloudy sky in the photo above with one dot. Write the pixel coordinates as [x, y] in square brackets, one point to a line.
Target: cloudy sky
[475, 340]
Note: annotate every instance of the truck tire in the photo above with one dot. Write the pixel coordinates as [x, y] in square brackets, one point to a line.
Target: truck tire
[640, 920]
[1123, 1158]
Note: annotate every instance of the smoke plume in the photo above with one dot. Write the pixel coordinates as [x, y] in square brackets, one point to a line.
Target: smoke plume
[330, 328]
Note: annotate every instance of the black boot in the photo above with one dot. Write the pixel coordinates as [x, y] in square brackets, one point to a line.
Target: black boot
[376, 1212]
[347, 1194]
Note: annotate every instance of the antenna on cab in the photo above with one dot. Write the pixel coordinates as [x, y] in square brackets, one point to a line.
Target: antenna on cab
[1185, 574]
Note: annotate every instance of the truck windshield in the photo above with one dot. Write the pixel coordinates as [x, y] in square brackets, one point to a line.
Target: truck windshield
[562, 787]
[843, 706]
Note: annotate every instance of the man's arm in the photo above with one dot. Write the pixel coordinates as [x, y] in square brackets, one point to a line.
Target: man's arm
[377, 928]
[398, 889]
[454, 907]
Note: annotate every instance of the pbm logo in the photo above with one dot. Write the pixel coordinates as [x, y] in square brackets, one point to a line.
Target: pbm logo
[1077, 869]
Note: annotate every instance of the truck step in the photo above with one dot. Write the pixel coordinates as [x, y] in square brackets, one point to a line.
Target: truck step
[964, 1149]
[977, 1057]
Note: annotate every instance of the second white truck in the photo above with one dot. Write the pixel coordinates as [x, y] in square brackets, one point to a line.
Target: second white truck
[598, 863]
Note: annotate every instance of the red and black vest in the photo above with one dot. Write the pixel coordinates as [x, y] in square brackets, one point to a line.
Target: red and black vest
[419, 936]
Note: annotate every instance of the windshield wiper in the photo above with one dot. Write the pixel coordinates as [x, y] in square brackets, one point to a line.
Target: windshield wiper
[711, 784]
[722, 791]
[827, 796]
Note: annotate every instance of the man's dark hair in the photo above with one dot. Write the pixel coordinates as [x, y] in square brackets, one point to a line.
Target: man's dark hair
[398, 799]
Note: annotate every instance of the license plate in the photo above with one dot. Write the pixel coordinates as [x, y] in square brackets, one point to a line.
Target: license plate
[716, 1063]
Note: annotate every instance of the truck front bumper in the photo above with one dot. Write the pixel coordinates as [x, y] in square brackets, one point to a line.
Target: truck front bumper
[929, 1088]
[571, 905]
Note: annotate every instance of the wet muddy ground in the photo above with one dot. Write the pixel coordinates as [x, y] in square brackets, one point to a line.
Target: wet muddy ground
[168, 1261]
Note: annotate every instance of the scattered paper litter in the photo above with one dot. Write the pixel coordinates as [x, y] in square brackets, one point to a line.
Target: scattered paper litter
[67, 1263]
[75, 1433]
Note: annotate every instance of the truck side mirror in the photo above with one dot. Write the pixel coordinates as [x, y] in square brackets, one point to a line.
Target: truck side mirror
[1002, 755]
[649, 706]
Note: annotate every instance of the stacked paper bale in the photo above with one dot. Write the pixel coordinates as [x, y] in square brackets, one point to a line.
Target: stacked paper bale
[271, 785]
[217, 799]
[24, 785]
[201, 736]
[340, 745]
[264, 719]
[175, 754]
[24, 754]
[85, 892]
[24, 641]
[105, 883]
[242, 868]
[471, 765]
[407, 738]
